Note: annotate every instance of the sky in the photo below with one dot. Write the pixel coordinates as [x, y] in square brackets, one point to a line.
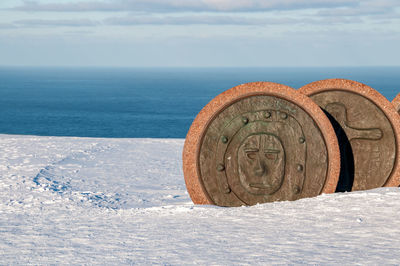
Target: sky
[200, 33]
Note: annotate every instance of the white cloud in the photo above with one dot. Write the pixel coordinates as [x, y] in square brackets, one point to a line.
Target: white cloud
[366, 8]
[208, 12]
[182, 20]
[221, 20]
[202, 32]
[184, 5]
[55, 22]
[7, 26]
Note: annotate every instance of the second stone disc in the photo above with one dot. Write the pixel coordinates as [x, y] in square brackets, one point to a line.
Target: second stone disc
[396, 103]
[368, 130]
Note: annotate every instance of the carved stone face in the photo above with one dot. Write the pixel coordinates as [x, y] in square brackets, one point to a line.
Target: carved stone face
[261, 160]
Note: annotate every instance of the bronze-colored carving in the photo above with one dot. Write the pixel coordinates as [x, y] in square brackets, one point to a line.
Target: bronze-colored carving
[368, 132]
[261, 164]
[396, 103]
[260, 142]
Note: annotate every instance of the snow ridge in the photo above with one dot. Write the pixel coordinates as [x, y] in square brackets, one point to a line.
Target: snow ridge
[61, 177]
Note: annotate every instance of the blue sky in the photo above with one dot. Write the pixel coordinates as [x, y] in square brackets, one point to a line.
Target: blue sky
[200, 33]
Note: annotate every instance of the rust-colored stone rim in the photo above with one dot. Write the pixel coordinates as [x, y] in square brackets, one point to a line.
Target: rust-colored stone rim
[196, 132]
[396, 103]
[374, 96]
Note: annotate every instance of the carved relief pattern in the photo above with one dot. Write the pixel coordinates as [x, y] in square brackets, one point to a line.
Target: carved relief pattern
[254, 145]
[369, 132]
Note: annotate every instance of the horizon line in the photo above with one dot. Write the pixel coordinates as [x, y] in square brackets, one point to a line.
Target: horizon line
[147, 67]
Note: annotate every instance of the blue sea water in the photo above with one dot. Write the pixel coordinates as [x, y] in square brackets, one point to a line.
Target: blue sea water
[148, 102]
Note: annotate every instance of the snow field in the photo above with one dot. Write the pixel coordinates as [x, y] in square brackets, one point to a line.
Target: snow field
[124, 201]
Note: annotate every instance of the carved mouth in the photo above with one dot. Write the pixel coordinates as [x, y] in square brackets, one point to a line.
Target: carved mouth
[259, 185]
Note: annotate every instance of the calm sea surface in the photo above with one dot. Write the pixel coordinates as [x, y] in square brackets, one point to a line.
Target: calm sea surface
[153, 102]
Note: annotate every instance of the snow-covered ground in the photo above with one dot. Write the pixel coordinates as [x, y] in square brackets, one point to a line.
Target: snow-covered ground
[124, 201]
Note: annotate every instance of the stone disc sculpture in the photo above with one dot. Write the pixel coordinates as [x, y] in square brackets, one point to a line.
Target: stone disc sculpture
[396, 103]
[368, 130]
[260, 142]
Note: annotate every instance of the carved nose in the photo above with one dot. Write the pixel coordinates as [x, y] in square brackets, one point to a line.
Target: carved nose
[260, 168]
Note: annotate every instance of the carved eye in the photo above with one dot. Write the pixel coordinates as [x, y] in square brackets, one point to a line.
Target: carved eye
[271, 156]
[251, 154]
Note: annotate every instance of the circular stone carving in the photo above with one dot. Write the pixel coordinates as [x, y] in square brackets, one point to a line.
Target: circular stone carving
[260, 142]
[368, 125]
[396, 103]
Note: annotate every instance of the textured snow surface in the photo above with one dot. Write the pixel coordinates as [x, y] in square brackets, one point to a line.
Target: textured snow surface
[124, 201]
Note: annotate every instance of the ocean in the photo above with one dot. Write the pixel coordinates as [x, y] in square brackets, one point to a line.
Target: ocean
[141, 102]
